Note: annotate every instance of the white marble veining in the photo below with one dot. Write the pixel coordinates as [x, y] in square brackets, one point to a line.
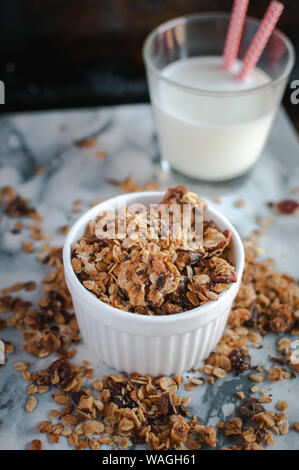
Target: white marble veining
[34, 140]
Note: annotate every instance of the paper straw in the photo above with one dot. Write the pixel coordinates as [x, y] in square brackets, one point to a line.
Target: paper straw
[234, 33]
[261, 38]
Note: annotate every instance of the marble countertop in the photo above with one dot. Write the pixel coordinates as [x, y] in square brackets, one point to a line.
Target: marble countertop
[45, 140]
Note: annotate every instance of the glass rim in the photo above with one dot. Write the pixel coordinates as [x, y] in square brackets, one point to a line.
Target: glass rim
[167, 25]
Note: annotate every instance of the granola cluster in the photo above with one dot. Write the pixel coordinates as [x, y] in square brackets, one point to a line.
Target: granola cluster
[159, 276]
[52, 325]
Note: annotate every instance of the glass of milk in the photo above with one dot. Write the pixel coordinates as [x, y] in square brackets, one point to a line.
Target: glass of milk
[212, 126]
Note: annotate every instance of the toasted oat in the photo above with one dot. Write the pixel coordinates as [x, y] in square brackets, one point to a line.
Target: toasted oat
[257, 377]
[240, 203]
[45, 427]
[284, 427]
[295, 426]
[167, 384]
[36, 445]
[26, 375]
[31, 404]
[32, 388]
[124, 443]
[53, 413]
[98, 385]
[9, 347]
[27, 247]
[282, 405]
[21, 365]
[265, 221]
[219, 373]
[42, 389]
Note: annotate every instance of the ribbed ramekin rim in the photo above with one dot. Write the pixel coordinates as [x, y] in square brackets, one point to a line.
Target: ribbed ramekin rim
[224, 297]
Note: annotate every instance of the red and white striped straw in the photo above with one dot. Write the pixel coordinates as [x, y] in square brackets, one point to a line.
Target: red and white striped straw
[234, 33]
[261, 38]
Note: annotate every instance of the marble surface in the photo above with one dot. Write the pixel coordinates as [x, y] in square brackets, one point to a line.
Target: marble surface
[126, 134]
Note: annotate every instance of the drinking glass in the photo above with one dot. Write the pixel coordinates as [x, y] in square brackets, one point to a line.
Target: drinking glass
[212, 135]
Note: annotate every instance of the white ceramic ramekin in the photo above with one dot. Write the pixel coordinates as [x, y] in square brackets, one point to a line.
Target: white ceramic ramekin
[151, 345]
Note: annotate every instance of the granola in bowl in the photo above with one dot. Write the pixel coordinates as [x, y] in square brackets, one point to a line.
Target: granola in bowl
[170, 272]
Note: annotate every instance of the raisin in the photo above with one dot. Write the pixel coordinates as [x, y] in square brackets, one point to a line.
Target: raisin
[261, 435]
[240, 361]
[182, 288]
[251, 407]
[120, 395]
[287, 207]
[122, 293]
[160, 282]
[63, 369]
[187, 258]
[77, 395]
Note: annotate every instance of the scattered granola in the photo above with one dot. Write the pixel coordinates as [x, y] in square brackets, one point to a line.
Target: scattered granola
[15, 205]
[124, 410]
[157, 276]
[128, 185]
[129, 409]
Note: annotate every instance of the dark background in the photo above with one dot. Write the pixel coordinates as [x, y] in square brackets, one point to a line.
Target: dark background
[73, 53]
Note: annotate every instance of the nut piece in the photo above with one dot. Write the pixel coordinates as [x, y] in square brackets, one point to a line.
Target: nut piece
[21, 365]
[257, 377]
[125, 425]
[45, 426]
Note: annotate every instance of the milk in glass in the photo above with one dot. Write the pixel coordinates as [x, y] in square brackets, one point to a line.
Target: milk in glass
[208, 135]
